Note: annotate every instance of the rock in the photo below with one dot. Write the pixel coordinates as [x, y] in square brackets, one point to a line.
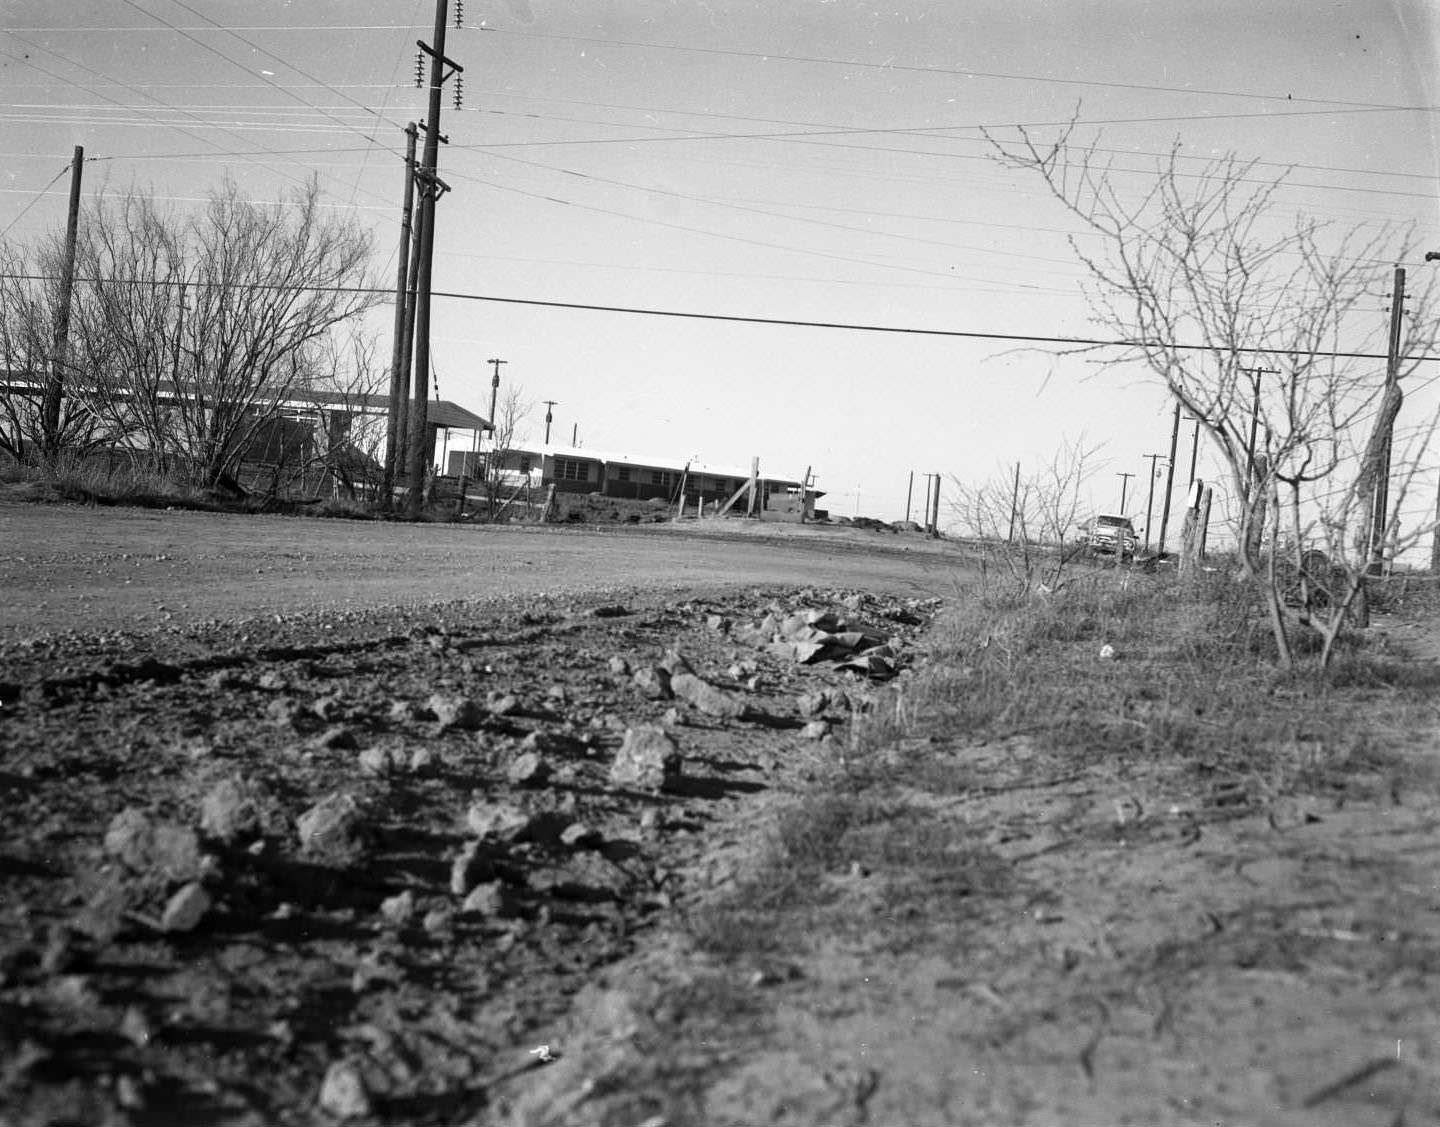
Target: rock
[230, 810]
[399, 908]
[333, 829]
[618, 666]
[646, 760]
[706, 697]
[528, 770]
[815, 730]
[437, 921]
[812, 704]
[502, 704]
[185, 909]
[673, 718]
[496, 819]
[492, 900]
[422, 761]
[344, 1093]
[455, 711]
[382, 759]
[675, 662]
[718, 622]
[337, 737]
[272, 680]
[577, 835]
[135, 1027]
[742, 669]
[470, 866]
[584, 876]
[653, 682]
[615, 611]
[329, 709]
[160, 850]
[402, 712]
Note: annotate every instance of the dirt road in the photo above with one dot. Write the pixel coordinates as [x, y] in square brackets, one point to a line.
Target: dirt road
[96, 568]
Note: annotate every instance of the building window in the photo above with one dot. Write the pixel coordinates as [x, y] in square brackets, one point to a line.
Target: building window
[525, 465]
[662, 478]
[622, 473]
[567, 469]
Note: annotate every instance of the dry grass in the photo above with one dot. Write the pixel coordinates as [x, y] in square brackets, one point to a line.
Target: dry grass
[1186, 693]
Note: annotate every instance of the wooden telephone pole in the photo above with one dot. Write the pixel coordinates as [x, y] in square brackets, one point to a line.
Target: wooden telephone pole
[55, 386]
[404, 318]
[431, 187]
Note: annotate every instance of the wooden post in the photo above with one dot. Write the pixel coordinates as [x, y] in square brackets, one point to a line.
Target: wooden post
[804, 494]
[754, 487]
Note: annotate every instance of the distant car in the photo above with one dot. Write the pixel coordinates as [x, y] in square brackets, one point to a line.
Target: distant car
[1111, 535]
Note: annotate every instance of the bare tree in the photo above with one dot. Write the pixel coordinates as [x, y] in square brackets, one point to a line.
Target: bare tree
[1263, 330]
[1025, 522]
[503, 476]
[29, 293]
[194, 331]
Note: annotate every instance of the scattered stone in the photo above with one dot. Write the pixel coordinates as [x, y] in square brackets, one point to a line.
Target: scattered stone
[135, 1027]
[706, 697]
[422, 761]
[578, 835]
[719, 623]
[383, 759]
[673, 718]
[496, 819]
[332, 829]
[337, 737]
[272, 680]
[455, 711]
[675, 662]
[163, 850]
[103, 916]
[646, 760]
[344, 1093]
[615, 611]
[653, 682]
[399, 908]
[328, 709]
[128, 1093]
[742, 669]
[403, 711]
[437, 921]
[471, 866]
[651, 820]
[813, 704]
[583, 876]
[285, 712]
[619, 666]
[528, 770]
[492, 900]
[185, 909]
[815, 730]
[873, 665]
[502, 704]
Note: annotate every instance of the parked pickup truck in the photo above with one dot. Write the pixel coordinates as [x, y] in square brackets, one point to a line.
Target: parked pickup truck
[1111, 534]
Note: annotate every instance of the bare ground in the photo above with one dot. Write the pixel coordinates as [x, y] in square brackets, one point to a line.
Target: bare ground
[1050, 945]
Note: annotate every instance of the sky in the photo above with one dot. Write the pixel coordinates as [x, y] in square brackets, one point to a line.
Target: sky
[793, 160]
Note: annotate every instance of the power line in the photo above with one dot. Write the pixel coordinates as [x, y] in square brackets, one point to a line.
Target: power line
[38, 196]
[919, 131]
[767, 56]
[782, 322]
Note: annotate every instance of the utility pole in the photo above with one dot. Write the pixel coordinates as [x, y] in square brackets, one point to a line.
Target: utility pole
[404, 314]
[1194, 448]
[55, 388]
[928, 526]
[1150, 502]
[431, 187]
[1169, 478]
[1014, 505]
[1124, 482]
[910, 489]
[548, 417]
[1386, 422]
[935, 520]
[494, 390]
